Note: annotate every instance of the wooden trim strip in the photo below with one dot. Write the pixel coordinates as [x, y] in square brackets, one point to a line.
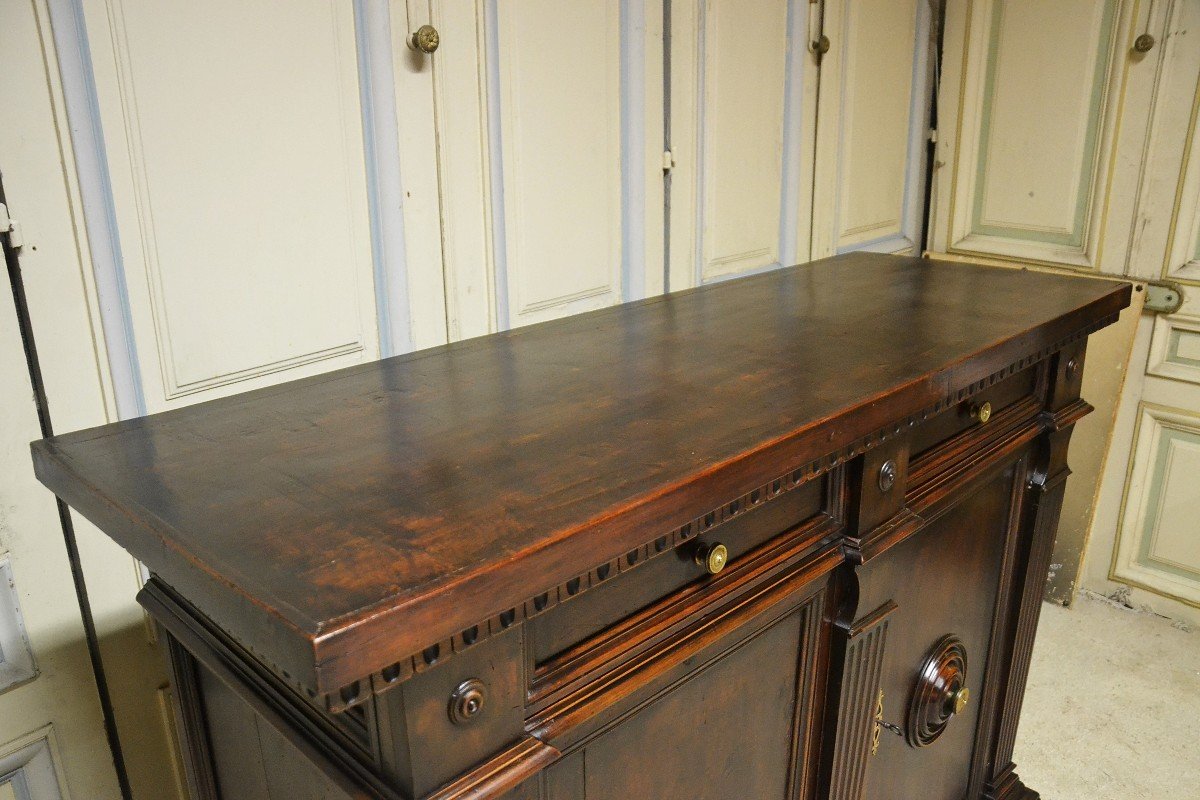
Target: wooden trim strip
[505, 771]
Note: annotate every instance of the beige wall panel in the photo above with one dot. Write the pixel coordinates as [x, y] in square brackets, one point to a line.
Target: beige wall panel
[560, 76]
[742, 119]
[880, 39]
[1039, 123]
[871, 128]
[228, 238]
[1157, 543]
[1039, 89]
[464, 186]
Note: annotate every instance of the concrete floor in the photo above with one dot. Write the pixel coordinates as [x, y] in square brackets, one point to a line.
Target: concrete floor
[1113, 706]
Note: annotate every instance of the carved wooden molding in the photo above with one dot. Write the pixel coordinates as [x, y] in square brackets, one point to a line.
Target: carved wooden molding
[503, 772]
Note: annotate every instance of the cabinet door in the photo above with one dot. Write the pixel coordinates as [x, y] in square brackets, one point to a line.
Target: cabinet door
[735, 727]
[947, 582]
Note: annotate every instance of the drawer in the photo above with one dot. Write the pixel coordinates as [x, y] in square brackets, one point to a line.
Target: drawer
[621, 594]
[1028, 384]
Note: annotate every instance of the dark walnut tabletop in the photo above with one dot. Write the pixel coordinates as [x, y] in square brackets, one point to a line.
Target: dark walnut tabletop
[337, 523]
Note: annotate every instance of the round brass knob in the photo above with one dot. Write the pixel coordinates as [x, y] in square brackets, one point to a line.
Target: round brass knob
[958, 700]
[426, 39]
[466, 702]
[981, 411]
[1143, 43]
[712, 557]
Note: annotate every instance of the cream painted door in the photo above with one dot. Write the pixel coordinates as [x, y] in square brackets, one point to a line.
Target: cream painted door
[742, 128]
[1048, 119]
[218, 183]
[547, 153]
[873, 126]
[1148, 533]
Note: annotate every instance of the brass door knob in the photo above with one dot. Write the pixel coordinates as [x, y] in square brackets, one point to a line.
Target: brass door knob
[712, 557]
[957, 701]
[426, 39]
[981, 411]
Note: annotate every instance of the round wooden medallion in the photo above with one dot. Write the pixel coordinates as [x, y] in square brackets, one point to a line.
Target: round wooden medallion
[941, 691]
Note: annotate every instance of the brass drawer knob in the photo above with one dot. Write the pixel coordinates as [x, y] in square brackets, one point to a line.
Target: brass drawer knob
[712, 557]
[981, 411]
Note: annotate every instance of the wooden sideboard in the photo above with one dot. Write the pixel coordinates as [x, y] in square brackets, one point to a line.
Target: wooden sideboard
[781, 537]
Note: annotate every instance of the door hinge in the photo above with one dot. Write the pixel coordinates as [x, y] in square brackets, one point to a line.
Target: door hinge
[668, 161]
[11, 227]
[1163, 297]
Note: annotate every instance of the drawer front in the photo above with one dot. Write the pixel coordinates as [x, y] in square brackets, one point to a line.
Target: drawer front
[945, 582]
[1028, 384]
[624, 593]
[737, 726]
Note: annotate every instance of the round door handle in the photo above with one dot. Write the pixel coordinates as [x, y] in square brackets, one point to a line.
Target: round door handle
[426, 39]
[1143, 43]
[712, 557]
[941, 692]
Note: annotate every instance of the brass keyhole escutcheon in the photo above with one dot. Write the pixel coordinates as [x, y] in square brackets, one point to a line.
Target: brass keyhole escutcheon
[712, 557]
[981, 411]
[467, 701]
[426, 39]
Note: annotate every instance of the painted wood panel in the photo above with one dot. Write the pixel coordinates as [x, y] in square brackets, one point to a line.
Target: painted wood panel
[872, 127]
[742, 127]
[1175, 348]
[246, 261]
[1157, 544]
[543, 135]
[741, 135]
[1039, 100]
[1183, 257]
[16, 657]
[29, 768]
[558, 76]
